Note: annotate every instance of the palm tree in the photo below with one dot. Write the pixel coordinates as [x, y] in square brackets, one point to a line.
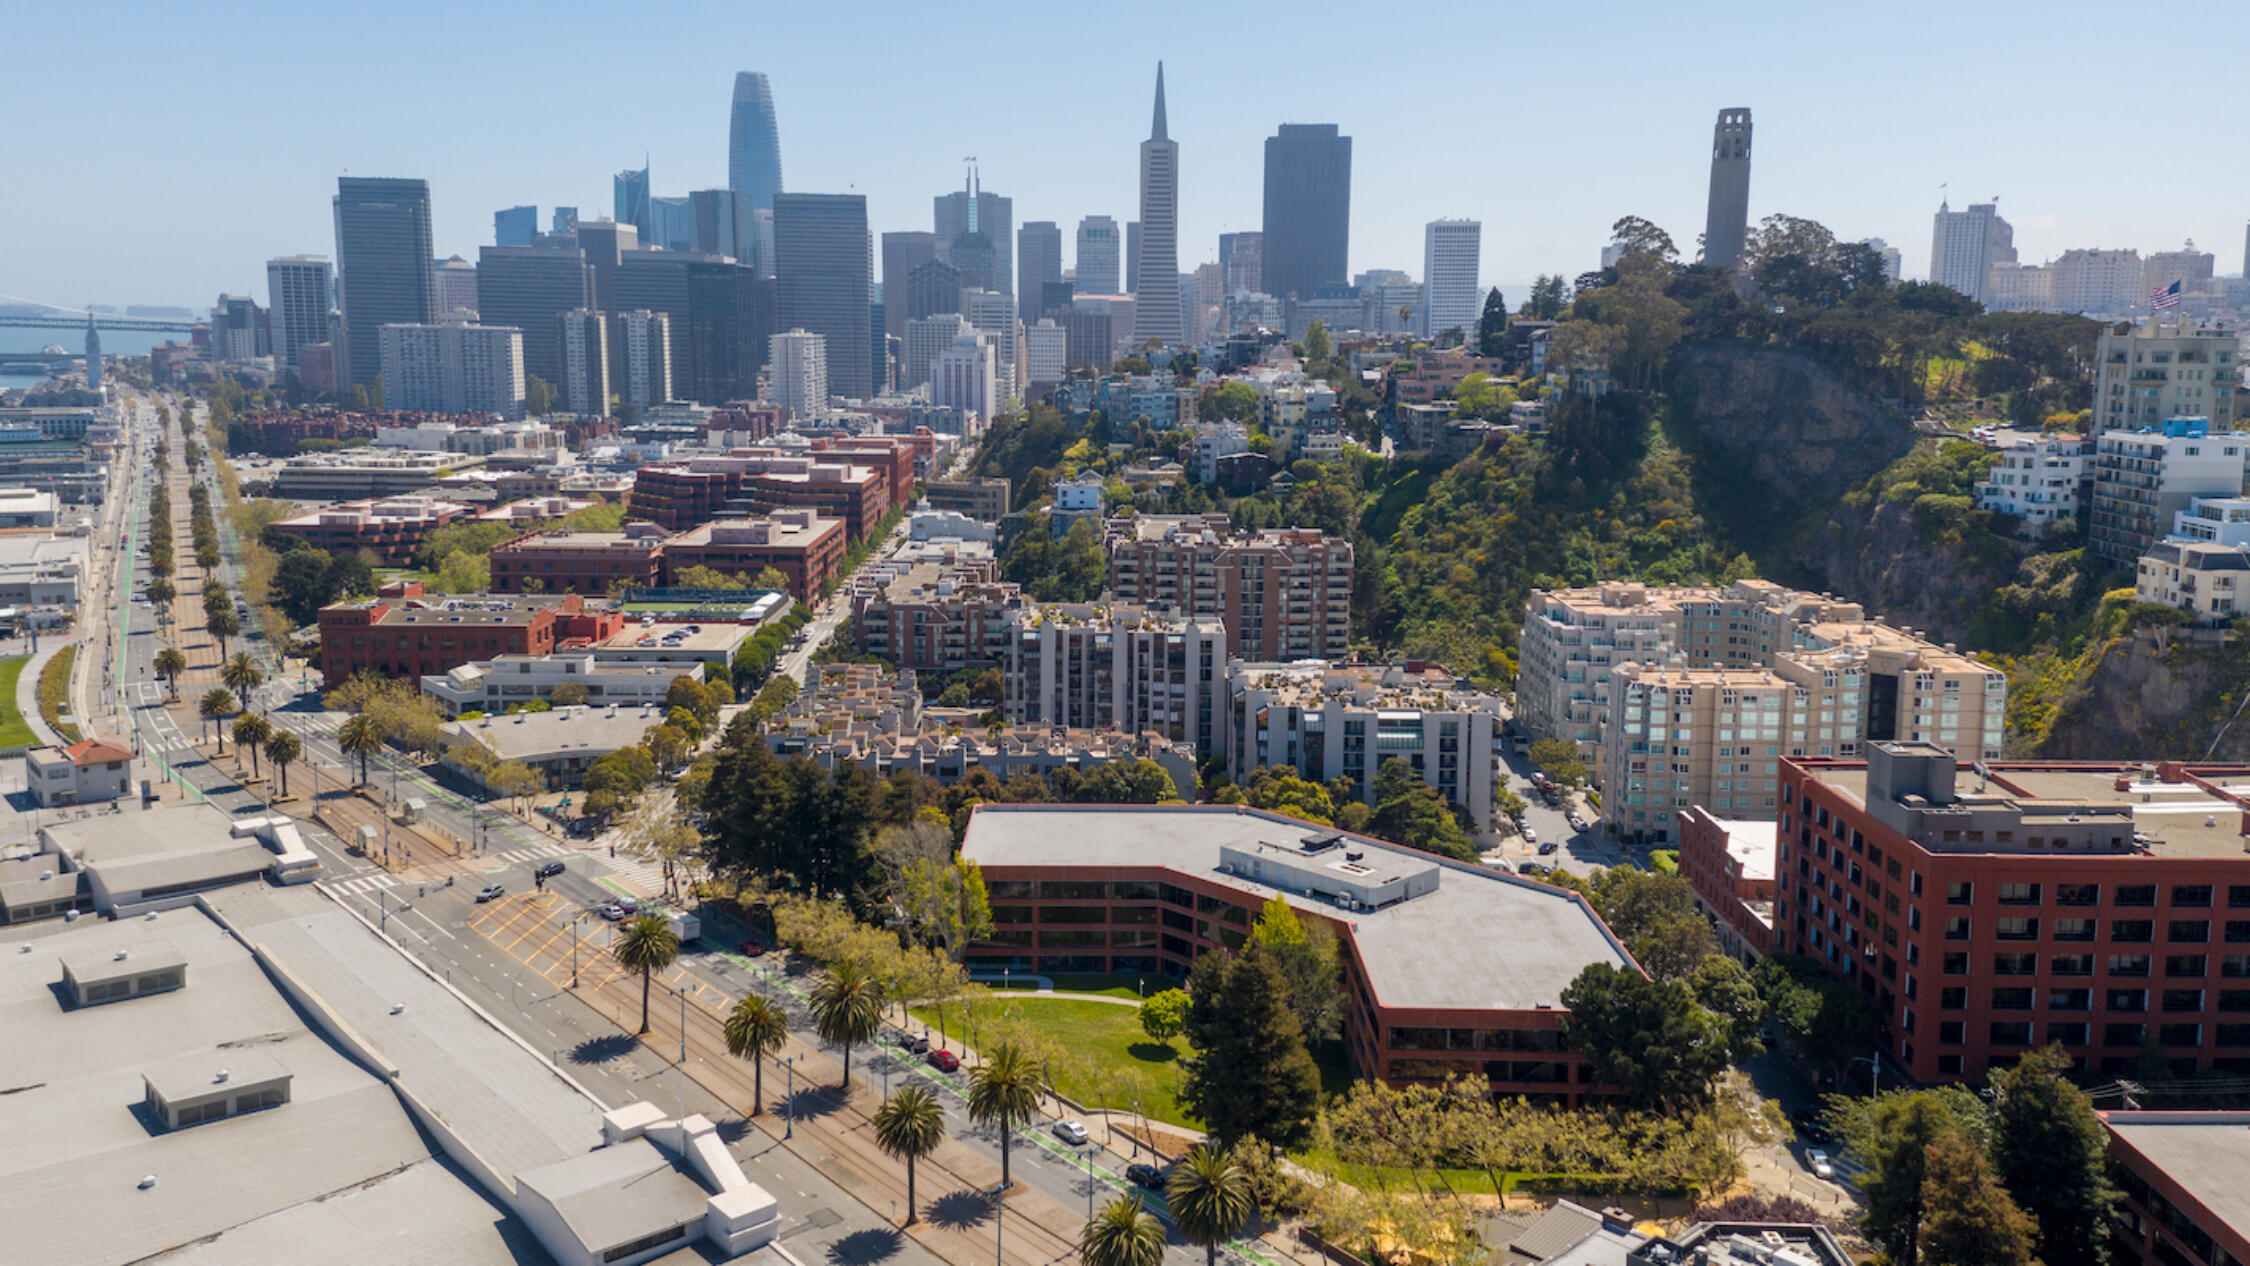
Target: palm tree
[1004, 1090]
[250, 730]
[1210, 1198]
[1122, 1234]
[214, 706]
[169, 665]
[223, 625]
[160, 595]
[283, 749]
[909, 1126]
[848, 1009]
[242, 675]
[647, 946]
[361, 735]
[755, 1029]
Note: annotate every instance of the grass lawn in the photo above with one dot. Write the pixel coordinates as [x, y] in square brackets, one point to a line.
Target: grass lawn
[13, 731]
[1113, 986]
[1105, 1061]
[54, 684]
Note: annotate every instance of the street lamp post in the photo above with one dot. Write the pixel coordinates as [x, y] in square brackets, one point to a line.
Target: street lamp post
[789, 1104]
[574, 950]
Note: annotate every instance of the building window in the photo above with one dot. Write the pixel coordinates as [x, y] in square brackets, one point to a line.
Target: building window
[2132, 931]
[2188, 931]
[1949, 1033]
[2074, 929]
[1957, 929]
[2136, 894]
[1953, 998]
[2019, 894]
[1959, 894]
[2191, 896]
[2012, 998]
[1956, 965]
[2070, 999]
[2128, 1000]
[2018, 930]
[2128, 964]
[2185, 966]
[2071, 965]
[2015, 964]
[2011, 1032]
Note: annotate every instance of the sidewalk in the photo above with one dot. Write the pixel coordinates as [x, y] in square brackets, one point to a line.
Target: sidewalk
[27, 690]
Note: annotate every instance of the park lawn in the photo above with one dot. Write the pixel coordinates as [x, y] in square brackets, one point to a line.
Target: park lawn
[1124, 986]
[1100, 1042]
[14, 731]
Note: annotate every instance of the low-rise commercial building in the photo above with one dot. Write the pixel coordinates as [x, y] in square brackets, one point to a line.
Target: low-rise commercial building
[1283, 594]
[593, 563]
[85, 772]
[678, 645]
[803, 546]
[1093, 665]
[41, 578]
[558, 744]
[26, 508]
[1449, 969]
[528, 510]
[405, 634]
[982, 498]
[1730, 864]
[390, 528]
[2183, 1175]
[506, 681]
[365, 473]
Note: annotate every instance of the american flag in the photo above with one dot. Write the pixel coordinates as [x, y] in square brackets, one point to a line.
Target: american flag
[2164, 297]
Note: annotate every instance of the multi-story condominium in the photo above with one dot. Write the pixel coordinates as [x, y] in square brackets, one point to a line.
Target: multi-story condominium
[383, 267]
[801, 545]
[1046, 353]
[938, 607]
[2225, 520]
[928, 338]
[1114, 665]
[584, 348]
[1966, 244]
[1449, 969]
[1214, 441]
[2143, 478]
[391, 529]
[1729, 863]
[2182, 1175]
[454, 368]
[2148, 374]
[2020, 288]
[505, 681]
[2038, 480]
[1450, 298]
[594, 563]
[985, 498]
[2105, 908]
[1332, 720]
[644, 358]
[1282, 594]
[798, 365]
[966, 375]
[2206, 577]
[300, 291]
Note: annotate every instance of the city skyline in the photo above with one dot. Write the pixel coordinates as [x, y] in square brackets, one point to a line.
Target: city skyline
[854, 124]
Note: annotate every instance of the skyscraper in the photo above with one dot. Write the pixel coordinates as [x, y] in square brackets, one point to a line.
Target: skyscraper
[1965, 244]
[716, 317]
[965, 376]
[630, 198]
[1727, 219]
[902, 254]
[644, 355]
[300, 289]
[515, 226]
[1132, 257]
[1099, 256]
[671, 224]
[456, 281]
[1450, 298]
[1038, 261]
[1157, 283]
[753, 141]
[932, 289]
[1308, 209]
[383, 255]
[604, 243]
[1242, 268]
[584, 342]
[798, 375]
[994, 315]
[969, 211]
[564, 220]
[821, 280]
[725, 224]
[529, 287]
[926, 339]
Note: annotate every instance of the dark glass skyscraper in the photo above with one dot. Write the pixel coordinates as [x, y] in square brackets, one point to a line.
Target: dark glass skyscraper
[529, 287]
[1308, 219]
[1039, 258]
[719, 324]
[515, 226]
[754, 141]
[383, 259]
[630, 199]
[821, 282]
[903, 252]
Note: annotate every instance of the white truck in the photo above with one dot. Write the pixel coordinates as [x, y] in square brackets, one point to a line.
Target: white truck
[685, 927]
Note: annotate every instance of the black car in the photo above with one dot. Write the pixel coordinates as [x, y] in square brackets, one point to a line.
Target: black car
[547, 870]
[1809, 1126]
[1148, 1176]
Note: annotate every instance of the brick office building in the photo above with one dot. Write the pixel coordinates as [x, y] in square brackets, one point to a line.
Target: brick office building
[2091, 905]
[406, 635]
[2183, 1175]
[390, 528]
[891, 454]
[800, 544]
[678, 495]
[1729, 863]
[857, 494]
[580, 562]
[1449, 968]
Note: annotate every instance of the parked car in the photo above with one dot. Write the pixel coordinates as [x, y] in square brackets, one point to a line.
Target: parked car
[1145, 1175]
[1530, 836]
[1809, 1125]
[629, 905]
[612, 912]
[1547, 848]
[749, 949]
[1818, 1162]
[547, 870]
[491, 892]
[1531, 868]
[1576, 823]
[944, 1061]
[914, 1042]
[1071, 1132]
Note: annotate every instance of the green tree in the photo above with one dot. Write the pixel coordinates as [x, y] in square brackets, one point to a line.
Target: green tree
[169, 665]
[250, 730]
[538, 396]
[755, 1029]
[1210, 1197]
[1305, 955]
[1122, 1234]
[361, 735]
[1317, 346]
[2052, 1152]
[648, 946]
[847, 1009]
[283, 748]
[1164, 1014]
[1004, 1092]
[1657, 918]
[1230, 402]
[1905, 1131]
[1409, 811]
[569, 694]
[1559, 757]
[909, 1126]
[1828, 1020]
[304, 581]
[216, 705]
[1646, 1037]
[1492, 325]
[1723, 987]
[242, 675]
[1636, 236]
[1968, 1218]
[1250, 1076]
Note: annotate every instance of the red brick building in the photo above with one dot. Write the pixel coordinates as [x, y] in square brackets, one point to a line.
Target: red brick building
[1984, 913]
[891, 454]
[1729, 863]
[2183, 1175]
[801, 545]
[1283, 594]
[391, 528]
[406, 635]
[1449, 968]
[580, 562]
[857, 494]
[744, 422]
[678, 495]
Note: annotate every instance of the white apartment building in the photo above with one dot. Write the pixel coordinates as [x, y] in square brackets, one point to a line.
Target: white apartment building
[493, 686]
[2098, 282]
[300, 292]
[2223, 520]
[2148, 374]
[1450, 298]
[1214, 440]
[1046, 349]
[644, 357]
[454, 368]
[993, 314]
[2143, 478]
[2206, 577]
[1100, 665]
[584, 346]
[965, 376]
[1330, 721]
[797, 364]
[2037, 478]
[1965, 246]
[927, 338]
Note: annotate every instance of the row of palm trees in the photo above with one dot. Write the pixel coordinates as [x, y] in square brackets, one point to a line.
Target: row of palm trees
[361, 736]
[1208, 1193]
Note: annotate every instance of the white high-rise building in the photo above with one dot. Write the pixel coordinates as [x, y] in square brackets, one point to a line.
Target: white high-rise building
[1965, 244]
[994, 314]
[454, 368]
[1046, 350]
[300, 291]
[1156, 274]
[926, 339]
[1888, 254]
[798, 365]
[1450, 299]
[965, 376]
[644, 357]
[584, 344]
[1099, 257]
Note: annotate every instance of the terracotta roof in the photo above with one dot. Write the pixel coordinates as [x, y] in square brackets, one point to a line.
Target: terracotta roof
[95, 752]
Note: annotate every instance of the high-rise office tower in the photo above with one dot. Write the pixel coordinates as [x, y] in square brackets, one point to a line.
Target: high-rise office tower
[239, 331]
[1965, 244]
[1726, 221]
[604, 243]
[300, 289]
[879, 349]
[976, 258]
[383, 258]
[926, 338]
[583, 339]
[1450, 298]
[1157, 280]
[717, 316]
[725, 224]
[515, 226]
[753, 141]
[1038, 261]
[629, 201]
[932, 289]
[990, 217]
[797, 372]
[1046, 350]
[456, 282]
[1132, 257]
[1099, 256]
[671, 224]
[1242, 263]
[452, 368]
[643, 352]
[528, 288]
[1308, 216]
[821, 282]
[564, 220]
[2246, 254]
[902, 254]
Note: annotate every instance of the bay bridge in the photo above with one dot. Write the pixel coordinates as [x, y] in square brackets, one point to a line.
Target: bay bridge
[52, 316]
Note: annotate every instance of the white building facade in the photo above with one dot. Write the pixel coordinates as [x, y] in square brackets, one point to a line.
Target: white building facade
[644, 357]
[454, 368]
[965, 376]
[798, 366]
[1450, 299]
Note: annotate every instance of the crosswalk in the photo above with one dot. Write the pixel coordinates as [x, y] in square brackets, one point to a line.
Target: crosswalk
[533, 853]
[364, 885]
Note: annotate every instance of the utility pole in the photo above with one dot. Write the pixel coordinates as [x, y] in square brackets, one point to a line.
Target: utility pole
[789, 1105]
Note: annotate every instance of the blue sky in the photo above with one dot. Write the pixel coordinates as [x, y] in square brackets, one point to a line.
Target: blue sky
[175, 147]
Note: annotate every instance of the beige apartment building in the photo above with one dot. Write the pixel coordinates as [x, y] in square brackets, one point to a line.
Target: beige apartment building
[935, 607]
[1283, 594]
[1104, 665]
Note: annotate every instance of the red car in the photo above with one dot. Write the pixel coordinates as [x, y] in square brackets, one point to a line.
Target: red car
[750, 949]
[944, 1061]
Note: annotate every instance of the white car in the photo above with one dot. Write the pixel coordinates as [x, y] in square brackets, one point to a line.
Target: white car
[1818, 1162]
[1530, 836]
[1071, 1132]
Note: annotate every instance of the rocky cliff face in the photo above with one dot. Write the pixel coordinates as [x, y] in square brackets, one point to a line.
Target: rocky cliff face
[2156, 696]
[1875, 557]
